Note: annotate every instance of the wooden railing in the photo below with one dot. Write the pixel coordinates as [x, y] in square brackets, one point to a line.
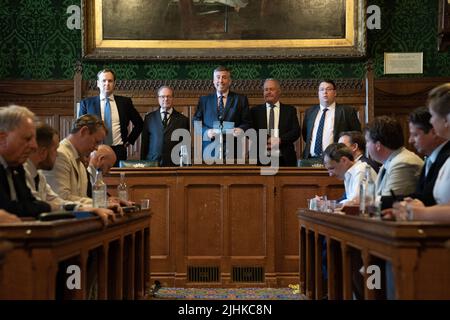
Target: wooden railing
[112, 262]
[415, 254]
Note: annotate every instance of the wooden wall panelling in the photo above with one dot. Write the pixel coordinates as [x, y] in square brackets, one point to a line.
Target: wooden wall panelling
[398, 97]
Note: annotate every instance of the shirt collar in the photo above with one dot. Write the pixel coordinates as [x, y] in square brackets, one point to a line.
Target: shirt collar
[3, 162]
[31, 168]
[277, 104]
[435, 152]
[331, 106]
[392, 156]
[169, 112]
[103, 98]
[225, 94]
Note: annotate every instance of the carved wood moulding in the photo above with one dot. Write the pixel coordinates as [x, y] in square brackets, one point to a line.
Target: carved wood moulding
[191, 88]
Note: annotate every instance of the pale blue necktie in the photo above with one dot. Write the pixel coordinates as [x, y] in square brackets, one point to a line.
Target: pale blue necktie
[108, 122]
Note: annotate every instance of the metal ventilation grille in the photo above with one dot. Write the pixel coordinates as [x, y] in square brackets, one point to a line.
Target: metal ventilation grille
[248, 274]
[203, 274]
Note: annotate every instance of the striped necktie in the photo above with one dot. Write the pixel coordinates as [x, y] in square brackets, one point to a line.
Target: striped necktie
[318, 149]
[108, 122]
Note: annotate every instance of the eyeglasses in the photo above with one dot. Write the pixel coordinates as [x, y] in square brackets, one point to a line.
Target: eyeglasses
[165, 97]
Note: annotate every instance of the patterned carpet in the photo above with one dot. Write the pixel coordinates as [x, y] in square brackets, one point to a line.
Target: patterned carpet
[227, 294]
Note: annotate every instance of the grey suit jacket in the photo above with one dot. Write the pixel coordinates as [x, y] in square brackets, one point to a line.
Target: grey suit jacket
[68, 177]
[400, 173]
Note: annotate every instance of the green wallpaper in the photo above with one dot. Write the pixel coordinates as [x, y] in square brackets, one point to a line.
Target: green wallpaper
[36, 44]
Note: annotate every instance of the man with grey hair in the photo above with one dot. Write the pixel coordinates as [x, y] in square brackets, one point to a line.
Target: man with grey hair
[159, 125]
[44, 159]
[17, 142]
[281, 122]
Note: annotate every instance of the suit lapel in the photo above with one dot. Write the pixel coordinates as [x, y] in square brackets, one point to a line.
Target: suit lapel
[97, 108]
[229, 105]
[311, 120]
[337, 120]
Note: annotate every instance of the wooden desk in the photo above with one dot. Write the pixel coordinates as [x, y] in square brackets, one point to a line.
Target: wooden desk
[225, 226]
[416, 250]
[36, 267]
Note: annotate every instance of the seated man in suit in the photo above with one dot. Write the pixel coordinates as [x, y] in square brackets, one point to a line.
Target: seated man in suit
[357, 143]
[401, 168]
[69, 177]
[117, 113]
[436, 149]
[17, 142]
[223, 105]
[323, 123]
[281, 122]
[44, 158]
[159, 125]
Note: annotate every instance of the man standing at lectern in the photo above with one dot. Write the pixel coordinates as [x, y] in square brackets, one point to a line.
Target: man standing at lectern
[222, 106]
[116, 111]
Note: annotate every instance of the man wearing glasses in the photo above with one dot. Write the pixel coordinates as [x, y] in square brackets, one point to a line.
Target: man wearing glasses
[323, 123]
[117, 112]
[158, 128]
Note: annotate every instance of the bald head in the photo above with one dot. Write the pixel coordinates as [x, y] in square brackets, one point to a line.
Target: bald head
[103, 158]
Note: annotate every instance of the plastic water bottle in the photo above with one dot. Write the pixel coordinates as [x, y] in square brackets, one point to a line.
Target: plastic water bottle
[367, 193]
[99, 195]
[122, 188]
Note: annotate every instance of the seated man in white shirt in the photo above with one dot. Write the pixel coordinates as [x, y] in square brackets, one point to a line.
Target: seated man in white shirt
[338, 160]
[44, 159]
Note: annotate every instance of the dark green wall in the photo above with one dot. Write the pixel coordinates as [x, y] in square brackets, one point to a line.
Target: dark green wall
[36, 44]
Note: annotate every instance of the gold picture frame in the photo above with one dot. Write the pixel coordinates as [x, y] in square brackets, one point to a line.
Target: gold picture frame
[123, 30]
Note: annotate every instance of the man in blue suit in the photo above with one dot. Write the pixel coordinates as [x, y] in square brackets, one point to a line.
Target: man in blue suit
[224, 105]
[323, 123]
[116, 111]
[158, 127]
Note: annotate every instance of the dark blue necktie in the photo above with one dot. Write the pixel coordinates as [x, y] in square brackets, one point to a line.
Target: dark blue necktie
[165, 119]
[108, 122]
[221, 107]
[319, 135]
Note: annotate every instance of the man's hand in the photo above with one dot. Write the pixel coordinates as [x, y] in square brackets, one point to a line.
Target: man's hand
[211, 133]
[273, 143]
[104, 214]
[6, 217]
[237, 132]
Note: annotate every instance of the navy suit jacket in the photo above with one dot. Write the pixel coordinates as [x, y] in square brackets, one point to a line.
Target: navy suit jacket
[375, 165]
[425, 186]
[127, 114]
[156, 142]
[289, 130]
[345, 119]
[236, 110]
[26, 205]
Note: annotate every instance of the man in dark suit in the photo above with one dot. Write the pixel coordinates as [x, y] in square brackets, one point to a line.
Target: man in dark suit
[17, 142]
[116, 111]
[158, 127]
[357, 143]
[224, 105]
[436, 149]
[284, 128]
[326, 121]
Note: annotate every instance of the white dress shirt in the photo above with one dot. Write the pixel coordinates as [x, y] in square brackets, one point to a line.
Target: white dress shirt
[441, 191]
[353, 178]
[328, 128]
